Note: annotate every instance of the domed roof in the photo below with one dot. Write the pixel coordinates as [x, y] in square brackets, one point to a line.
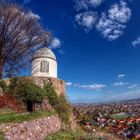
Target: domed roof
[44, 53]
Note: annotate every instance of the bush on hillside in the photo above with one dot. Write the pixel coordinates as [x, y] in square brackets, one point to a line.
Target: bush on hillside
[12, 85]
[25, 90]
[3, 86]
[9, 88]
[59, 103]
[64, 109]
[51, 94]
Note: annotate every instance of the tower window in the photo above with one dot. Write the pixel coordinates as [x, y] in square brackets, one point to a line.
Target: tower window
[44, 66]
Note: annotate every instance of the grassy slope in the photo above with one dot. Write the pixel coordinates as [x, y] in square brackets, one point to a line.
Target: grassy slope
[70, 135]
[17, 117]
[2, 136]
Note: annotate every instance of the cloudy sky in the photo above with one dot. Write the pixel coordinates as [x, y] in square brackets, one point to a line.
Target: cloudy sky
[97, 45]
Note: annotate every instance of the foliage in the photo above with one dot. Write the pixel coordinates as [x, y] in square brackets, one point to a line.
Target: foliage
[59, 103]
[2, 136]
[3, 86]
[51, 94]
[8, 88]
[25, 90]
[12, 85]
[16, 117]
[64, 109]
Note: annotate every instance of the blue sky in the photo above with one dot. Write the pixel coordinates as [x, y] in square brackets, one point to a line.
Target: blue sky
[97, 44]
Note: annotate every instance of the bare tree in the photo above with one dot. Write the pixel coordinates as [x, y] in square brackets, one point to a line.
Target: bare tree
[20, 35]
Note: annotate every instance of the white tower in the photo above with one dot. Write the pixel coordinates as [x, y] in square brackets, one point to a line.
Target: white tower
[44, 63]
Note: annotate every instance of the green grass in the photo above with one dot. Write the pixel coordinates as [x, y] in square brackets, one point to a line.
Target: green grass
[72, 135]
[2, 136]
[17, 117]
[6, 111]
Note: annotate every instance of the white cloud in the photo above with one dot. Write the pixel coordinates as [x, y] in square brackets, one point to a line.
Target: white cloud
[120, 12]
[86, 20]
[61, 51]
[121, 76]
[133, 86]
[69, 84]
[88, 87]
[86, 4]
[134, 94]
[136, 42]
[92, 87]
[120, 84]
[95, 3]
[112, 24]
[27, 1]
[56, 43]
[109, 29]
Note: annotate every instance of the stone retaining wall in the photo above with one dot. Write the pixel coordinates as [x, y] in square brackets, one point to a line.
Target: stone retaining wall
[32, 130]
[45, 106]
[59, 85]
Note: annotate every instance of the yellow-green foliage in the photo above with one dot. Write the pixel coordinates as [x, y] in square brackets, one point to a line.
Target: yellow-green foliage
[3, 86]
[59, 103]
[26, 90]
[2, 136]
[51, 94]
[64, 109]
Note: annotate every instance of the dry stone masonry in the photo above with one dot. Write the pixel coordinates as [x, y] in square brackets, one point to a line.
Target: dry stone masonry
[32, 130]
[59, 85]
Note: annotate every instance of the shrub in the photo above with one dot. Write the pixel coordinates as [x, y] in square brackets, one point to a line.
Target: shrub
[12, 85]
[64, 109]
[51, 94]
[3, 86]
[26, 90]
[59, 103]
[2, 136]
[9, 88]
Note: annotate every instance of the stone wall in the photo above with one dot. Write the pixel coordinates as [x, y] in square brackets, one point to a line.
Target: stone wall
[59, 85]
[32, 130]
[45, 106]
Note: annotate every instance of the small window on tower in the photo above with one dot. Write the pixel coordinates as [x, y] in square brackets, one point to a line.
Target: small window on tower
[44, 66]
